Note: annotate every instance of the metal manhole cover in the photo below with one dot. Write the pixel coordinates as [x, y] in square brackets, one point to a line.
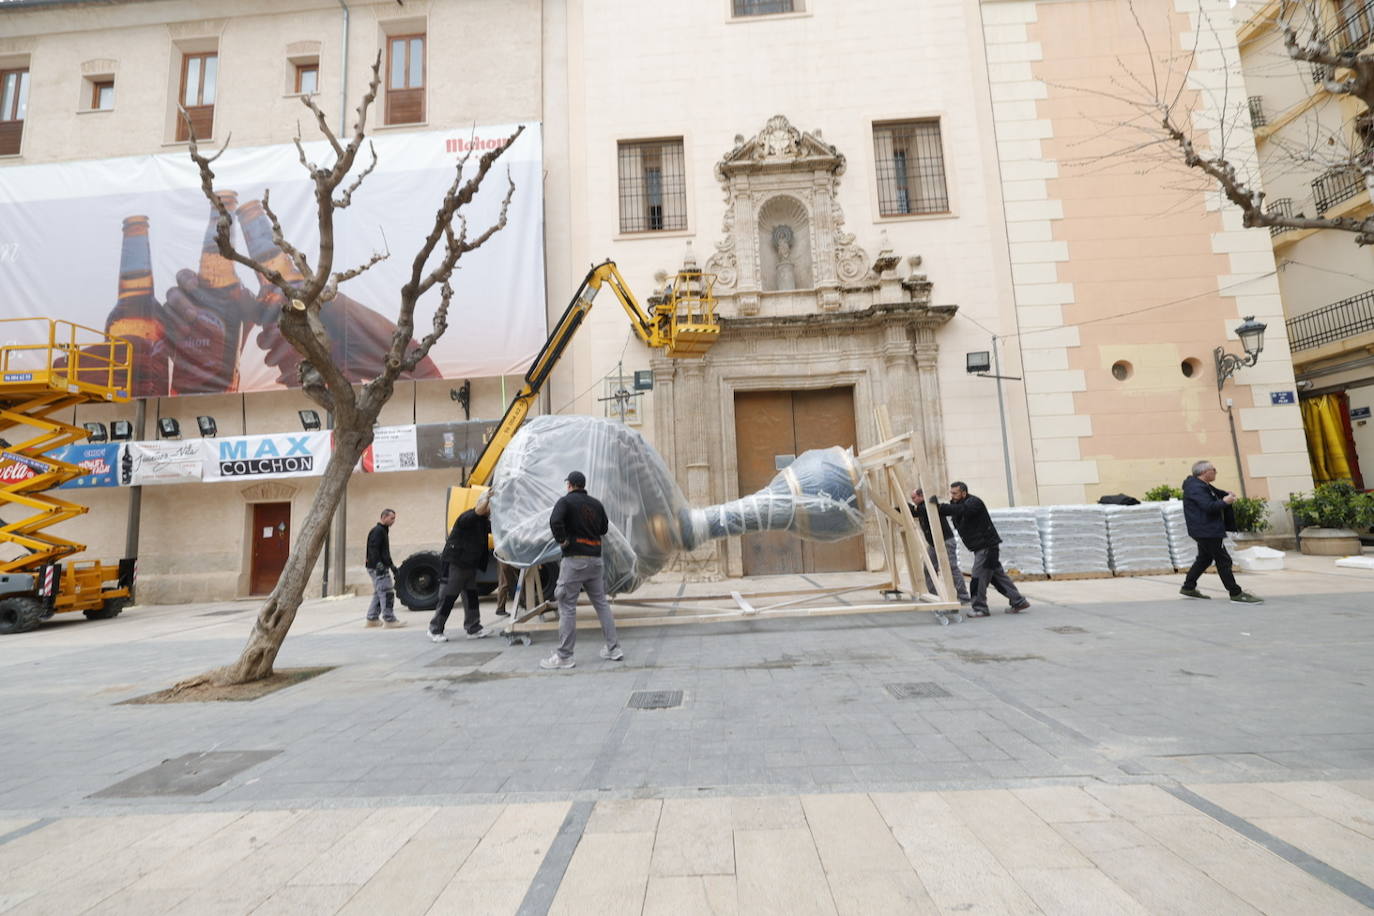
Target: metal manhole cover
[925, 690]
[1067, 630]
[189, 774]
[655, 699]
[463, 659]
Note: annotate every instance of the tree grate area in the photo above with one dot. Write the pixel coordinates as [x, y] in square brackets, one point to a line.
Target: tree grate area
[189, 774]
[1067, 630]
[655, 699]
[463, 659]
[925, 690]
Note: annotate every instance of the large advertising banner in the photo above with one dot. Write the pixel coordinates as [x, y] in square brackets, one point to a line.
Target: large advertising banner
[142, 463]
[392, 449]
[259, 457]
[124, 245]
[100, 459]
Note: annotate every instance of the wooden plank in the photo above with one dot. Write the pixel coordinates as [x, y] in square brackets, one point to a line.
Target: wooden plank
[735, 615]
[745, 606]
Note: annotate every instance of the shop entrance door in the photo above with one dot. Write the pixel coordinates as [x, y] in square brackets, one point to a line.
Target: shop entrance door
[271, 544]
[771, 429]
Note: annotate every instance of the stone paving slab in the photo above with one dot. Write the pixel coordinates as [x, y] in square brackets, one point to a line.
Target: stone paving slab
[1038, 777]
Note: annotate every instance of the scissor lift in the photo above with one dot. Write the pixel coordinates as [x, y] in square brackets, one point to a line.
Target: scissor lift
[48, 367]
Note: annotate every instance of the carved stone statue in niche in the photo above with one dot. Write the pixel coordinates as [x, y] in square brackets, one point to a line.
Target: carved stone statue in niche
[786, 271]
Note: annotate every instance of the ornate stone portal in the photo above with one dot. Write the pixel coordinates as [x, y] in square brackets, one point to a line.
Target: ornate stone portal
[802, 307]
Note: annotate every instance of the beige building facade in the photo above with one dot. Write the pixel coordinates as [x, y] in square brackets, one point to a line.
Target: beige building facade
[1314, 149]
[875, 203]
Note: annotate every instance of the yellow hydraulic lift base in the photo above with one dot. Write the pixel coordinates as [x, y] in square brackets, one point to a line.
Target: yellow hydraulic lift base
[65, 364]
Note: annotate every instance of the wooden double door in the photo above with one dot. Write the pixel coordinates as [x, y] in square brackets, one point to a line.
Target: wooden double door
[271, 545]
[771, 429]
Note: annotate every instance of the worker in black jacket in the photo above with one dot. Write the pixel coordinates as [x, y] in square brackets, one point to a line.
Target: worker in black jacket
[974, 524]
[1208, 512]
[578, 523]
[950, 547]
[381, 570]
[466, 550]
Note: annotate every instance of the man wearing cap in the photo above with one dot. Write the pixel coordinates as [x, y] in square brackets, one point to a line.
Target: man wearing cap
[578, 523]
[465, 552]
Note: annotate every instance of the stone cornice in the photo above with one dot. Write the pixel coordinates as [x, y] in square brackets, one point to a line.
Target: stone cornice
[923, 316]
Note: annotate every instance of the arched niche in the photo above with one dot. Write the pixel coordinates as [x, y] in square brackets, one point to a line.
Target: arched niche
[785, 245]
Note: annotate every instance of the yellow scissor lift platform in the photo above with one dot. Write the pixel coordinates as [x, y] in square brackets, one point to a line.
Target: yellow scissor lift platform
[48, 367]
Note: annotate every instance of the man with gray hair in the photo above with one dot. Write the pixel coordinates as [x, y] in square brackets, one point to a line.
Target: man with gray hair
[1208, 513]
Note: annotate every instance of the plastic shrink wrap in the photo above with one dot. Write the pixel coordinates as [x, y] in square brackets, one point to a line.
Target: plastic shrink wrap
[818, 497]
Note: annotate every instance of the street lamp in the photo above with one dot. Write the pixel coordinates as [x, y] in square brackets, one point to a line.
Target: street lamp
[1251, 334]
[977, 363]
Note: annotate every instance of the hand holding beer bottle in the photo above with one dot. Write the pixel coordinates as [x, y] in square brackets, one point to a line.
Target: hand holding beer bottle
[205, 314]
[359, 337]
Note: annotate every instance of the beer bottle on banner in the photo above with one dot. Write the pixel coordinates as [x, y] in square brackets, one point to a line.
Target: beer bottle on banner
[257, 233]
[137, 316]
[207, 356]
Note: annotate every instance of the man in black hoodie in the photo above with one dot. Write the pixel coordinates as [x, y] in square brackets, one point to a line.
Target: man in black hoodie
[465, 552]
[979, 534]
[950, 551]
[578, 523]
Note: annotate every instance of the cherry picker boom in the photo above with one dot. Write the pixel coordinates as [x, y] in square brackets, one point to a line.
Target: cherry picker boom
[681, 321]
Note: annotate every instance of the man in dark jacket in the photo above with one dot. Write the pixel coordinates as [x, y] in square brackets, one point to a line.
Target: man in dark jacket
[951, 549]
[381, 569]
[980, 535]
[465, 552]
[578, 523]
[1208, 513]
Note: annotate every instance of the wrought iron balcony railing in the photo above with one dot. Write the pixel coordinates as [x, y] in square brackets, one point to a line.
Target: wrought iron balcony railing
[1281, 206]
[1340, 183]
[1356, 27]
[1333, 322]
[1257, 118]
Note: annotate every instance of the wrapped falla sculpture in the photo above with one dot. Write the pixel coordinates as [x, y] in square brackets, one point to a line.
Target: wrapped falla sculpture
[818, 497]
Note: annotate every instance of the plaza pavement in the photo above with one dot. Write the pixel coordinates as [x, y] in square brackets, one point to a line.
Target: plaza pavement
[1118, 749]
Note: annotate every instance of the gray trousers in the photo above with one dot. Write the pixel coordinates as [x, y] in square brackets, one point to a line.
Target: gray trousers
[383, 596]
[574, 575]
[987, 570]
[952, 550]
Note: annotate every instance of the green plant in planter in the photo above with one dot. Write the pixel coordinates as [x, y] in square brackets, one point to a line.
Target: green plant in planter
[1162, 492]
[1252, 514]
[1334, 505]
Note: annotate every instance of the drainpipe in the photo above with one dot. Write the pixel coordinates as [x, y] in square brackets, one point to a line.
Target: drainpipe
[343, 73]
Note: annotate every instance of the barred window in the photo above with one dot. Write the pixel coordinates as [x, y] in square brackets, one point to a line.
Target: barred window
[911, 168]
[653, 186]
[763, 7]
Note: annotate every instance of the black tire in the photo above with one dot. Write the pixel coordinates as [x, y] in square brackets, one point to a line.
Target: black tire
[20, 613]
[417, 581]
[112, 608]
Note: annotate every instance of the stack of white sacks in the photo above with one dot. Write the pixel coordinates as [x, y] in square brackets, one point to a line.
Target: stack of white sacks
[1182, 549]
[1020, 550]
[1137, 538]
[1074, 539]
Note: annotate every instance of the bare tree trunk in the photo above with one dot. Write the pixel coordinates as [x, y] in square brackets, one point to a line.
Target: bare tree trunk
[279, 612]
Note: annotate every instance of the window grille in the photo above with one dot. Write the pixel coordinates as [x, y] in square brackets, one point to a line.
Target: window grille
[763, 7]
[910, 165]
[653, 186]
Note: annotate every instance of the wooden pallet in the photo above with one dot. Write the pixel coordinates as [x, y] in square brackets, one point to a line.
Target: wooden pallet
[1071, 577]
[1161, 571]
[1027, 577]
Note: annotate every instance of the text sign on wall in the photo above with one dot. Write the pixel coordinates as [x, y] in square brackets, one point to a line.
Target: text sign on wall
[1359, 413]
[1282, 397]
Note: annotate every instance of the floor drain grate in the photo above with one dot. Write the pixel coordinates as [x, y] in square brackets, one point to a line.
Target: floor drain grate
[1067, 630]
[463, 659]
[655, 699]
[925, 690]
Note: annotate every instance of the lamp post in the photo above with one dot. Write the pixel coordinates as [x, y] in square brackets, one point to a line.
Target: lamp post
[977, 363]
[1251, 334]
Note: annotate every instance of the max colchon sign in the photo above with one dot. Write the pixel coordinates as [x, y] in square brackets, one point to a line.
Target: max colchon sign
[279, 455]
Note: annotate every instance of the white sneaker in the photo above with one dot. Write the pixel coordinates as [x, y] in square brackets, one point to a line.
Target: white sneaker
[480, 634]
[556, 661]
[612, 655]
[438, 637]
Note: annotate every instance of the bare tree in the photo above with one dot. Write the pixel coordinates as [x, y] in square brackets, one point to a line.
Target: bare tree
[1166, 108]
[355, 410]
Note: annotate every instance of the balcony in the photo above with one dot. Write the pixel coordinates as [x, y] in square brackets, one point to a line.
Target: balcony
[1356, 28]
[1339, 184]
[1257, 118]
[1333, 322]
[1282, 206]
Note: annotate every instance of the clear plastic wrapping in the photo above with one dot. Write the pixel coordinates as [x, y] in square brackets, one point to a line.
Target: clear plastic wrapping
[818, 497]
